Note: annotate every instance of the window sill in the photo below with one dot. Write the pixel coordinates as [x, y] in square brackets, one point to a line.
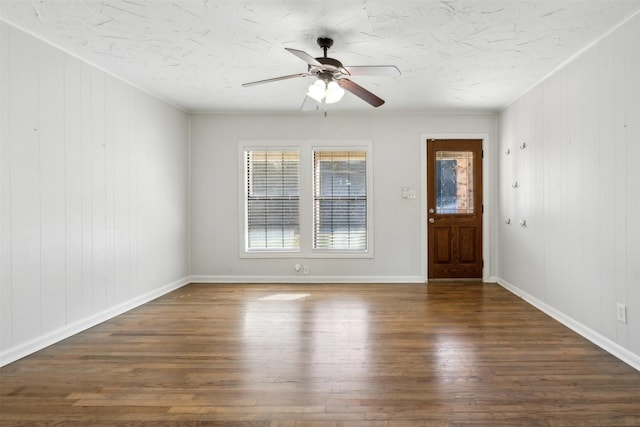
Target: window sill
[301, 255]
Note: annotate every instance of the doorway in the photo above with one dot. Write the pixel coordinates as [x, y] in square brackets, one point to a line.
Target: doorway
[454, 208]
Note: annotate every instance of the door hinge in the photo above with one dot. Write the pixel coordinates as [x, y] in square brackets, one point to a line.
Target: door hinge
[483, 154]
[482, 208]
[483, 263]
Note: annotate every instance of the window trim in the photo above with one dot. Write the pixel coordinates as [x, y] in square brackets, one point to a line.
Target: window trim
[306, 149]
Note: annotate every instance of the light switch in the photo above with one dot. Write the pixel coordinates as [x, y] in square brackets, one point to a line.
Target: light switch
[408, 193]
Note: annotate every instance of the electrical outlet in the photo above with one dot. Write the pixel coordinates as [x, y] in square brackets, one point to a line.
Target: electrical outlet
[621, 313]
[305, 269]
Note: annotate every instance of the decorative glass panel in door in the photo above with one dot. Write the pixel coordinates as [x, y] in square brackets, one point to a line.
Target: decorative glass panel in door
[454, 182]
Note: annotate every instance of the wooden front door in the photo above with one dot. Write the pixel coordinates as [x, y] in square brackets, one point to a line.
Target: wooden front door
[454, 206]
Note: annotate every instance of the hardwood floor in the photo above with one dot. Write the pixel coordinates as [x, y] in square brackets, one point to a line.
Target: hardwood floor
[325, 355]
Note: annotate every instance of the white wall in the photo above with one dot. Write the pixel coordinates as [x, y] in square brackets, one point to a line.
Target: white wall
[397, 162]
[94, 201]
[579, 192]
[94, 195]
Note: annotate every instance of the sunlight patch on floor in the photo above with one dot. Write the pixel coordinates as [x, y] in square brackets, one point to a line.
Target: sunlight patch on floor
[284, 297]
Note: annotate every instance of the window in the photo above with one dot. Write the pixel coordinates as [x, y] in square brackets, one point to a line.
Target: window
[339, 200]
[272, 200]
[305, 199]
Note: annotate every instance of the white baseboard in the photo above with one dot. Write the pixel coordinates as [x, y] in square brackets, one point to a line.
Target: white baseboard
[601, 341]
[24, 349]
[307, 279]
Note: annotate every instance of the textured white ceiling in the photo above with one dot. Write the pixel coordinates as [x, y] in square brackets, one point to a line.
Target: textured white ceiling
[453, 55]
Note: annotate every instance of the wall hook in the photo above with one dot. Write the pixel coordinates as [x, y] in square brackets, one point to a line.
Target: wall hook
[515, 184]
[523, 145]
[523, 223]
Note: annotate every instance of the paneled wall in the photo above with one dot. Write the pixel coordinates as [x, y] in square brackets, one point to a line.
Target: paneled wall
[578, 190]
[94, 195]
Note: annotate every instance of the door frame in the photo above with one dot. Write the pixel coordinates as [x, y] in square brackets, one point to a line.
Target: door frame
[488, 197]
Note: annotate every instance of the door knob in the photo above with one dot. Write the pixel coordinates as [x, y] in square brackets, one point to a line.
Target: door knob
[431, 210]
[431, 220]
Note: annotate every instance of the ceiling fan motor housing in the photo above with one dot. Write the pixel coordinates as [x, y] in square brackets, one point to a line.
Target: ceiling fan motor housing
[328, 64]
[329, 70]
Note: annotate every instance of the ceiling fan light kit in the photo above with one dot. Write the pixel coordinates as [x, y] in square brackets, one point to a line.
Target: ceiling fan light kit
[317, 90]
[330, 92]
[334, 93]
[331, 77]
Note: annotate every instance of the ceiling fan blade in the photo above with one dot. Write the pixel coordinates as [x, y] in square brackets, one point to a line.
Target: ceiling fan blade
[309, 104]
[360, 92]
[305, 57]
[275, 79]
[373, 70]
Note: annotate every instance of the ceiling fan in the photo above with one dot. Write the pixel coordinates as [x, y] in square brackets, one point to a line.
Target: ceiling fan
[332, 78]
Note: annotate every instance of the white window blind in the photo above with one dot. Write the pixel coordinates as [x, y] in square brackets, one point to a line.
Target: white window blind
[340, 200]
[272, 200]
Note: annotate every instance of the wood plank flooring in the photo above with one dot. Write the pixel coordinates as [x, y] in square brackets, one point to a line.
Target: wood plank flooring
[324, 355]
